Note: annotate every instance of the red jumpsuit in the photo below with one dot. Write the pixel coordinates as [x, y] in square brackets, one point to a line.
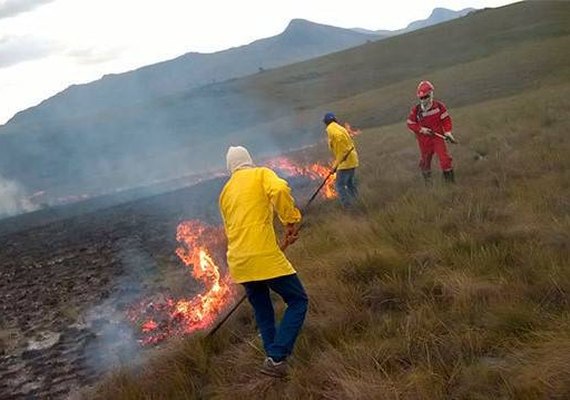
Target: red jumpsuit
[438, 120]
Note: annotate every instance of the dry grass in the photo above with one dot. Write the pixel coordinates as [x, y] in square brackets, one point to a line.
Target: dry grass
[443, 293]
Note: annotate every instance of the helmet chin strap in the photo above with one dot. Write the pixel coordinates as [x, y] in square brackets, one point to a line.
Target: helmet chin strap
[426, 104]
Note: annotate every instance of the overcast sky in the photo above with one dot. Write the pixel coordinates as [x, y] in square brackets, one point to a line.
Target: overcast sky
[47, 45]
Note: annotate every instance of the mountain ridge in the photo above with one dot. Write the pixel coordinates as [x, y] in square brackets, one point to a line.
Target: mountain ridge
[193, 69]
[165, 77]
[273, 111]
[437, 16]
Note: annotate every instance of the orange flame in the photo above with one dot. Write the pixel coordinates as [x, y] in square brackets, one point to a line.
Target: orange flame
[352, 131]
[183, 316]
[149, 325]
[312, 171]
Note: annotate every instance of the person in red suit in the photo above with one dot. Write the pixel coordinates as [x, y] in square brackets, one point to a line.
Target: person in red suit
[431, 123]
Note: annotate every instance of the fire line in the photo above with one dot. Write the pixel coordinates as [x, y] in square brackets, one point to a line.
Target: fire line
[159, 318]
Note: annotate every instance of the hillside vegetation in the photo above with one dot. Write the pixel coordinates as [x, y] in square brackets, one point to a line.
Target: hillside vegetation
[449, 292]
[488, 54]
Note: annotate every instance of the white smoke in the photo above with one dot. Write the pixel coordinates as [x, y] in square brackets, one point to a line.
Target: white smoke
[13, 199]
[115, 344]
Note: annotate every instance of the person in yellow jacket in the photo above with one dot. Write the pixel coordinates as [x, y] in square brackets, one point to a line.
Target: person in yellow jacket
[248, 203]
[345, 160]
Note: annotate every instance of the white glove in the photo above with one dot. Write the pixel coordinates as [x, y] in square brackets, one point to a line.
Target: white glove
[425, 131]
[449, 137]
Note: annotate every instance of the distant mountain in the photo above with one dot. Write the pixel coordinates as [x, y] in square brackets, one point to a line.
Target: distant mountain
[368, 31]
[301, 40]
[437, 16]
[176, 118]
[115, 132]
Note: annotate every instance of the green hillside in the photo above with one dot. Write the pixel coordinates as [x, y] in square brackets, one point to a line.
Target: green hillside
[483, 56]
[431, 293]
[489, 54]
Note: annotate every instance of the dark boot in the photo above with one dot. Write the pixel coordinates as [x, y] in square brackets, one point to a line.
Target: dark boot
[448, 176]
[274, 369]
[427, 177]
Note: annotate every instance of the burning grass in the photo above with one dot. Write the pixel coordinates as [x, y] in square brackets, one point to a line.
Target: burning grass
[433, 293]
[163, 317]
[202, 250]
[314, 171]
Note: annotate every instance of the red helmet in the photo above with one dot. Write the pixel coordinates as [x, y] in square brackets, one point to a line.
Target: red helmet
[424, 89]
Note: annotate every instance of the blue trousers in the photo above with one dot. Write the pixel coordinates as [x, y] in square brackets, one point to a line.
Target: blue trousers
[346, 186]
[278, 341]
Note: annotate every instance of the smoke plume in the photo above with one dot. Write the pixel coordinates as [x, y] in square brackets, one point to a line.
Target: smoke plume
[13, 199]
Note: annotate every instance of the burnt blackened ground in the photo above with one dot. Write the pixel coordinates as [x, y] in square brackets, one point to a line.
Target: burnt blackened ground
[65, 287]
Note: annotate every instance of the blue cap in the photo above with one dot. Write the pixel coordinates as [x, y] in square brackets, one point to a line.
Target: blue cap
[329, 117]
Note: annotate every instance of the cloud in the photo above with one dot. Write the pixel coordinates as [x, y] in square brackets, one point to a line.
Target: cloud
[94, 55]
[10, 8]
[17, 49]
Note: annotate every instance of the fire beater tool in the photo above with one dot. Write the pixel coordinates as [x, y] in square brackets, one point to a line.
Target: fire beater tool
[478, 155]
[284, 245]
[447, 139]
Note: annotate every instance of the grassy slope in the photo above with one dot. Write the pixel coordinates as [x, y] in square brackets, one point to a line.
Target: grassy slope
[443, 293]
[470, 60]
[486, 36]
[281, 109]
[439, 293]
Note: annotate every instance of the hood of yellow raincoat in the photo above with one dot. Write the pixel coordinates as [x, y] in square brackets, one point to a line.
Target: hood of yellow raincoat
[238, 157]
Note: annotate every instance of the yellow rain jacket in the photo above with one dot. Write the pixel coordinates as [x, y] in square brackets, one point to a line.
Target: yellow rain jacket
[340, 142]
[247, 203]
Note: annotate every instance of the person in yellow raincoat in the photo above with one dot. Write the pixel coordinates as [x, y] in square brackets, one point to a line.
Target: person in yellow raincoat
[248, 203]
[345, 160]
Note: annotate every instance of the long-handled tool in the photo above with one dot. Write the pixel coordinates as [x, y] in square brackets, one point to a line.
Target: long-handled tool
[446, 138]
[452, 140]
[284, 245]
